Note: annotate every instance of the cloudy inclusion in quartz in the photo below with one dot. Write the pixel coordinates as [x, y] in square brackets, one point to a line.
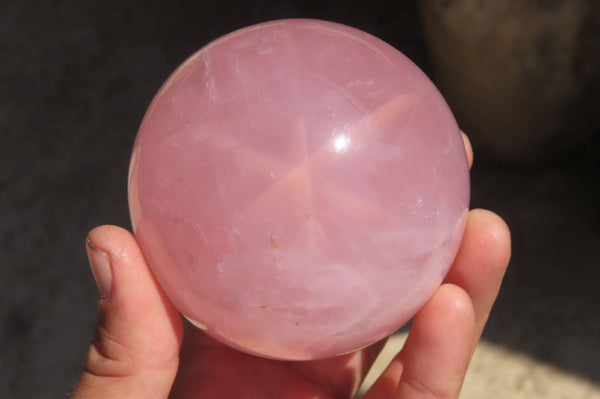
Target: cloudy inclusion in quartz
[299, 189]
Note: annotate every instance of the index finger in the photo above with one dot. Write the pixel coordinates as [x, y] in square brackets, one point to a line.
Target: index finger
[468, 148]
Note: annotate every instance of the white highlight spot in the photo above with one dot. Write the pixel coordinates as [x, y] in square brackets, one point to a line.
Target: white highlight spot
[341, 143]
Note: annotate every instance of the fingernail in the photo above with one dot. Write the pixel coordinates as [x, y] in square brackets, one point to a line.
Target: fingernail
[100, 264]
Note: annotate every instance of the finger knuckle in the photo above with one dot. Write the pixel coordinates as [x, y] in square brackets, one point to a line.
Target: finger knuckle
[108, 356]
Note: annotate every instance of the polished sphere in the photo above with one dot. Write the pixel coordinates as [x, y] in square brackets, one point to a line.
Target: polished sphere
[299, 189]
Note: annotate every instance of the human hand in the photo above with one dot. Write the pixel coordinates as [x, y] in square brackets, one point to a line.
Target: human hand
[139, 349]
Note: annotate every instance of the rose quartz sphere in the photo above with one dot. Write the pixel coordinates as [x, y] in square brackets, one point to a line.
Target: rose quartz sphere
[299, 189]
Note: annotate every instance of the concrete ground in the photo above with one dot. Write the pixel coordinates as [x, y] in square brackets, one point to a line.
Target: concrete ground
[75, 79]
[499, 372]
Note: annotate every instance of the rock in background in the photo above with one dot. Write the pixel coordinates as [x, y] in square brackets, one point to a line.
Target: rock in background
[522, 76]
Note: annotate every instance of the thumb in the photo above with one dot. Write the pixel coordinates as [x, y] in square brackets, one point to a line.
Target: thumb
[135, 349]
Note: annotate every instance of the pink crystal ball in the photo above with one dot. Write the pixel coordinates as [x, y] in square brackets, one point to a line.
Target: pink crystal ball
[299, 189]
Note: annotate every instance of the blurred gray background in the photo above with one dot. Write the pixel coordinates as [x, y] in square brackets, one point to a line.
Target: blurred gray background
[77, 76]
